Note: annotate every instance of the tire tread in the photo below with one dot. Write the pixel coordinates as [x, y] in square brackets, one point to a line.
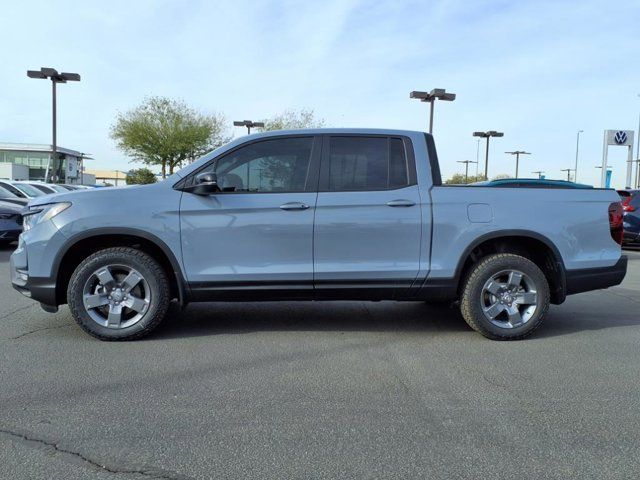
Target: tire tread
[475, 275]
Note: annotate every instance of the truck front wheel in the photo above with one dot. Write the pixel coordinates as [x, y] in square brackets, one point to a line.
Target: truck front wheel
[118, 293]
[505, 297]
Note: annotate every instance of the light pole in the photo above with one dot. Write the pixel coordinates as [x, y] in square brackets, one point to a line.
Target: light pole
[637, 162]
[568, 170]
[638, 153]
[488, 134]
[83, 156]
[539, 172]
[439, 93]
[575, 170]
[249, 124]
[477, 157]
[55, 77]
[466, 169]
[517, 153]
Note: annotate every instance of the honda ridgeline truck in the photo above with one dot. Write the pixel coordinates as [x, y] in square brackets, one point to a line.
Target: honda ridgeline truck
[328, 214]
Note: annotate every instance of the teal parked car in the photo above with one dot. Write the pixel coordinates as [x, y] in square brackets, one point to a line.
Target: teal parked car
[531, 183]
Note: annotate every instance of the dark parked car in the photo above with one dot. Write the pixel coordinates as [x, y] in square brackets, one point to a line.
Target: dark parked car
[10, 222]
[631, 218]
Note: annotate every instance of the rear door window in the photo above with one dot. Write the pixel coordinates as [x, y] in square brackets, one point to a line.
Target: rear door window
[361, 163]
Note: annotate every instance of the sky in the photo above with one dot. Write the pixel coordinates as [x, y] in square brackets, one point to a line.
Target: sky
[538, 71]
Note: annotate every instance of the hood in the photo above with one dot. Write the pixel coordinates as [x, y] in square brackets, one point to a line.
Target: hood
[15, 200]
[96, 194]
[9, 207]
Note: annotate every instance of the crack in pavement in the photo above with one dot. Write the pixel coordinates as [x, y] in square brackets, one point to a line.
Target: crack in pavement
[40, 330]
[26, 307]
[145, 471]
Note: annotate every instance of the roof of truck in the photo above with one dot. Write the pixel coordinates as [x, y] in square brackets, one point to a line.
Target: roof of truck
[320, 131]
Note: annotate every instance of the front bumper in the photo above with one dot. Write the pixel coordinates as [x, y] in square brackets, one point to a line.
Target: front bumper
[9, 235]
[587, 279]
[31, 265]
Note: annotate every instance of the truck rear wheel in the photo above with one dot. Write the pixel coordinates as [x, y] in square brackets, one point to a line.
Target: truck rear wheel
[118, 293]
[505, 297]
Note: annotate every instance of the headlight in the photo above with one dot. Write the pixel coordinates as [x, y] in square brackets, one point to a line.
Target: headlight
[42, 213]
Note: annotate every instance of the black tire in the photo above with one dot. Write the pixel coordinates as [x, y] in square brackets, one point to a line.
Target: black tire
[156, 282]
[474, 297]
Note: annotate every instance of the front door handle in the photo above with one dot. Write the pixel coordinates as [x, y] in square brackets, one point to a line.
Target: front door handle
[294, 206]
[401, 203]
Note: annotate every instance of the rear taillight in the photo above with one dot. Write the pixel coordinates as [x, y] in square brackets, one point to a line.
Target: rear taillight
[626, 204]
[615, 221]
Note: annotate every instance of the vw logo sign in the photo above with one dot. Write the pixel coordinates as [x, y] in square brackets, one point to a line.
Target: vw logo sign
[620, 137]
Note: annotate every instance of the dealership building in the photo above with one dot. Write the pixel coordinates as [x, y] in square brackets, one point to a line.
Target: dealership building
[24, 161]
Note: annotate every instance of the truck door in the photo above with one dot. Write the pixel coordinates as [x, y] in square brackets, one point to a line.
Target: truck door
[367, 229]
[257, 233]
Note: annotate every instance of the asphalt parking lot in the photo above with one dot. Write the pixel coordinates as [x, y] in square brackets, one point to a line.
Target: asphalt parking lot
[323, 390]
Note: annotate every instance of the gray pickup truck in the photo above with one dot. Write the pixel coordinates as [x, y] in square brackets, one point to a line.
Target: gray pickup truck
[335, 214]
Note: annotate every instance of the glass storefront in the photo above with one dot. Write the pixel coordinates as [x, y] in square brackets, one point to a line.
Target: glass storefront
[36, 161]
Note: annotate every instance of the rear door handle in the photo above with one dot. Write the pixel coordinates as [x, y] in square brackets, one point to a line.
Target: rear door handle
[401, 203]
[294, 206]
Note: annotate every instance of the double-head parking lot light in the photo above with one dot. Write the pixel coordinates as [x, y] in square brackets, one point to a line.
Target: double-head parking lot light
[466, 169]
[488, 134]
[439, 93]
[51, 73]
[517, 153]
[248, 123]
[568, 170]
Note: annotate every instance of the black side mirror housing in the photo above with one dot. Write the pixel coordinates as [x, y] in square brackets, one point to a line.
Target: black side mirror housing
[205, 184]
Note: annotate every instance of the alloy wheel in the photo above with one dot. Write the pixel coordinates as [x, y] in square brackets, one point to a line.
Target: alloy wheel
[509, 299]
[116, 296]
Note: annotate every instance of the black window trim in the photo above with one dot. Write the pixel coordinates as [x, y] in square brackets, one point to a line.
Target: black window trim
[434, 164]
[311, 182]
[325, 163]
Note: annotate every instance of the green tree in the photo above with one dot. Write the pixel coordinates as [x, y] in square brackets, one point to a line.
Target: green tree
[501, 176]
[140, 176]
[292, 120]
[167, 132]
[458, 179]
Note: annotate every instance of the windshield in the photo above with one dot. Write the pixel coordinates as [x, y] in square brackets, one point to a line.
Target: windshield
[4, 193]
[58, 188]
[43, 188]
[12, 189]
[29, 190]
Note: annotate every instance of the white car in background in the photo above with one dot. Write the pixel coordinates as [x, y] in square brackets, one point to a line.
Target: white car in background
[9, 186]
[28, 190]
[46, 188]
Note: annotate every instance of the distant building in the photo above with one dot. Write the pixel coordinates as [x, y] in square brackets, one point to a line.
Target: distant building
[116, 178]
[37, 158]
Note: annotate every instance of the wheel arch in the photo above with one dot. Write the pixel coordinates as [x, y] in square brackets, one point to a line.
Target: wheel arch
[538, 248]
[81, 245]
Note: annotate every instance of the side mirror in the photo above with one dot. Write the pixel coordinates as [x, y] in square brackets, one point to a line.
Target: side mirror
[205, 184]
